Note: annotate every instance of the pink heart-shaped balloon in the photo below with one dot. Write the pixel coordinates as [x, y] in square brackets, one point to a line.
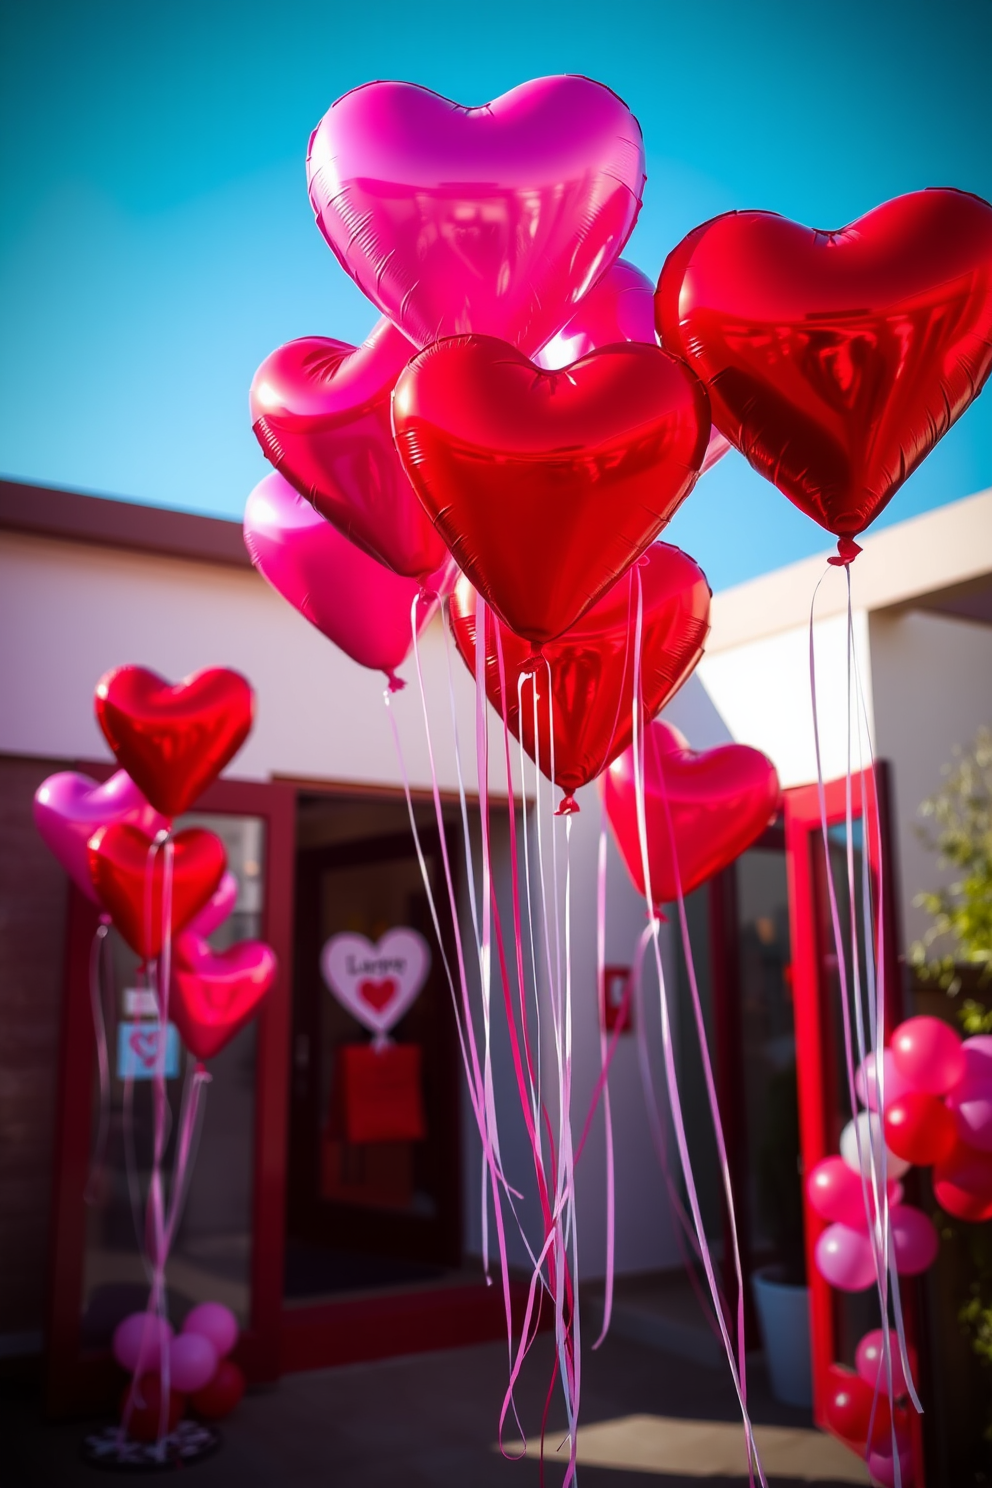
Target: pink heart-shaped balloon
[217, 908]
[357, 603]
[215, 993]
[69, 807]
[620, 307]
[320, 411]
[495, 219]
[720, 801]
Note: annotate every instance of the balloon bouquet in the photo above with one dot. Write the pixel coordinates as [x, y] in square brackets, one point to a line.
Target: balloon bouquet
[165, 892]
[510, 442]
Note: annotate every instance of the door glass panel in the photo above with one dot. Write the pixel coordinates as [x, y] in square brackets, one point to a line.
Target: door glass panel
[211, 1254]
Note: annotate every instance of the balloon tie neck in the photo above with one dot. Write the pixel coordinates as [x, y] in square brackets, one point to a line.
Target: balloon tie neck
[568, 806]
[395, 684]
[532, 662]
[847, 551]
[655, 916]
[106, 919]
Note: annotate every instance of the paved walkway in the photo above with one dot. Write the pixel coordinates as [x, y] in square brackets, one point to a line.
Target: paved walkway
[431, 1422]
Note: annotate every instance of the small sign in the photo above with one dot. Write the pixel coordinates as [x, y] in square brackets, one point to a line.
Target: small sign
[140, 1002]
[616, 1000]
[376, 983]
[139, 1049]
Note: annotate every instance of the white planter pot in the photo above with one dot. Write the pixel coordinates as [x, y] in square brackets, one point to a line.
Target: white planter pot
[783, 1314]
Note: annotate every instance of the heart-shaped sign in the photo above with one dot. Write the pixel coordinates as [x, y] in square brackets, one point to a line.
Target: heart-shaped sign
[357, 603]
[592, 664]
[129, 880]
[144, 1045]
[495, 219]
[720, 800]
[377, 983]
[173, 740]
[215, 993]
[835, 361]
[320, 411]
[547, 485]
[69, 807]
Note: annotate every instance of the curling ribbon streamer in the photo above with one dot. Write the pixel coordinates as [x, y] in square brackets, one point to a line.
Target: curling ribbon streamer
[97, 965]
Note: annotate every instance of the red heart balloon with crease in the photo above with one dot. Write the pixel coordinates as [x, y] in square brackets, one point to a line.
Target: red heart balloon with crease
[721, 800]
[592, 664]
[835, 361]
[547, 485]
[119, 862]
[215, 993]
[320, 411]
[173, 740]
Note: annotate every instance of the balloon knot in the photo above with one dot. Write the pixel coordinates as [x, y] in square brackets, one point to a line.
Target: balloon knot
[396, 684]
[654, 915]
[532, 662]
[847, 551]
[568, 805]
[106, 919]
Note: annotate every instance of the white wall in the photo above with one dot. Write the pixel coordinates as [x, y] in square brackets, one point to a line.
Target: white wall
[933, 690]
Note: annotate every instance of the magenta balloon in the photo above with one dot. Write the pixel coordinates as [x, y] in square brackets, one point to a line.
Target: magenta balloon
[844, 1258]
[495, 219]
[928, 1054]
[977, 1053]
[836, 1193]
[866, 1085]
[139, 1340]
[357, 603]
[68, 808]
[216, 909]
[882, 1467]
[869, 1361]
[971, 1104]
[214, 1321]
[192, 1362]
[914, 1239]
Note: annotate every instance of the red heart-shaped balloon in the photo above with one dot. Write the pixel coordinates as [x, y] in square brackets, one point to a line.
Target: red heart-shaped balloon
[173, 740]
[547, 485]
[592, 664]
[835, 361]
[129, 882]
[215, 993]
[320, 411]
[721, 800]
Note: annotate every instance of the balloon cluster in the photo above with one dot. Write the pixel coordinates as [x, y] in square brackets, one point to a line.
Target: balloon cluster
[858, 1409]
[195, 1361]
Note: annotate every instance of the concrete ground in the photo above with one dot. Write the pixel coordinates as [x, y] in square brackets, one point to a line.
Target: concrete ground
[432, 1420]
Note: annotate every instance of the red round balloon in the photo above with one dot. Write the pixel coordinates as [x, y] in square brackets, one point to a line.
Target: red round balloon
[835, 361]
[547, 485]
[320, 411]
[218, 1399]
[173, 740]
[215, 993]
[592, 664]
[848, 1407]
[920, 1128]
[834, 1190]
[120, 860]
[720, 801]
[145, 1420]
[962, 1184]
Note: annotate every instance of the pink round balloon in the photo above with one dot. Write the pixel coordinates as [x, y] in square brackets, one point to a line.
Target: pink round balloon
[844, 1258]
[977, 1056]
[928, 1054]
[217, 908]
[139, 1341]
[869, 1361]
[68, 809]
[357, 603]
[893, 1085]
[495, 220]
[971, 1104]
[882, 1468]
[914, 1239]
[835, 1191]
[192, 1362]
[214, 1321]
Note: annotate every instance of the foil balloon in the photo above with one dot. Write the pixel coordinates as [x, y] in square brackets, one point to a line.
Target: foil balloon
[320, 411]
[702, 809]
[835, 361]
[353, 600]
[217, 908]
[215, 993]
[547, 485]
[129, 880]
[174, 740]
[591, 666]
[620, 307]
[495, 219]
[68, 808]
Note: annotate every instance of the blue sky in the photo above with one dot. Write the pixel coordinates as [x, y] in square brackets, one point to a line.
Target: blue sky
[156, 240]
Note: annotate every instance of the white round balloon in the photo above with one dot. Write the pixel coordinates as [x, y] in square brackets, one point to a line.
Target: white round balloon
[866, 1129]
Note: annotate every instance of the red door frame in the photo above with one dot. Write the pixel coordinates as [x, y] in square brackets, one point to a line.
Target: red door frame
[811, 943]
[76, 1382]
